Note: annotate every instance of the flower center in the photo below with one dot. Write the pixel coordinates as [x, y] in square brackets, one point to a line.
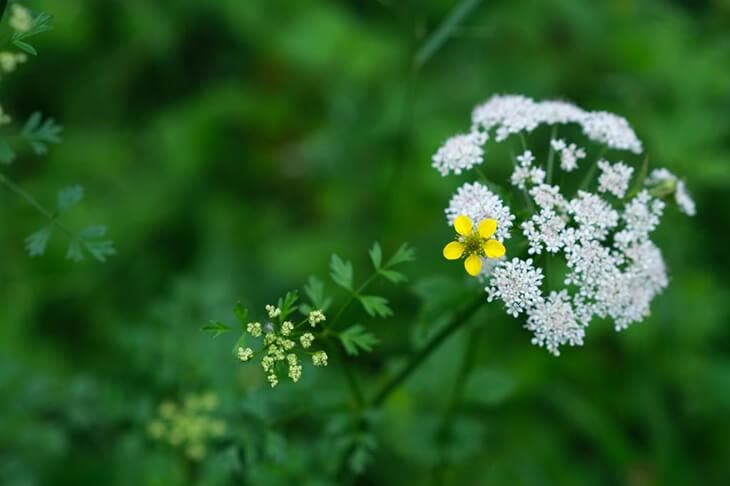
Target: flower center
[473, 243]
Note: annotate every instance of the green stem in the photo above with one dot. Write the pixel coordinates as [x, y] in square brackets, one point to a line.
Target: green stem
[592, 171]
[551, 155]
[461, 317]
[20, 192]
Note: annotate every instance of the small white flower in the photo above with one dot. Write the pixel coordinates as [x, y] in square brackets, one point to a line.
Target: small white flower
[306, 339]
[525, 173]
[254, 329]
[544, 228]
[614, 178]
[244, 354]
[554, 323]
[286, 328]
[479, 203]
[460, 152]
[517, 284]
[315, 317]
[594, 216]
[612, 130]
[684, 201]
[273, 311]
[319, 358]
[569, 154]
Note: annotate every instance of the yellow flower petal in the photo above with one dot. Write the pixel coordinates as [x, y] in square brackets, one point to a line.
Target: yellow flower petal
[494, 249]
[487, 228]
[453, 250]
[473, 265]
[463, 225]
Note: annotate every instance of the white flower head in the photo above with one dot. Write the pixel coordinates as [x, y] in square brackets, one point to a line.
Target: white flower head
[460, 152]
[517, 284]
[479, 203]
[554, 324]
[569, 154]
[511, 114]
[614, 178]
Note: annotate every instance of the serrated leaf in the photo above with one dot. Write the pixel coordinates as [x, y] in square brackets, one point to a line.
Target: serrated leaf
[69, 197]
[41, 23]
[25, 47]
[288, 304]
[356, 339]
[341, 272]
[375, 305]
[100, 250]
[376, 255]
[393, 276]
[314, 289]
[36, 243]
[7, 154]
[241, 313]
[216, 328]
[39, 133]
[405, 253]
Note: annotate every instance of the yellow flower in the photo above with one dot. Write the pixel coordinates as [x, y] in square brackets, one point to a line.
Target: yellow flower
[474, 243]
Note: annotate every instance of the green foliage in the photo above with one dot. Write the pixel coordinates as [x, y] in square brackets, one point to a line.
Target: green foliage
[375, 305]
[238, 176]
[356, 339]
[39, 132]
[314, 289]
[287, 304]
[216, 328]
[341, 272]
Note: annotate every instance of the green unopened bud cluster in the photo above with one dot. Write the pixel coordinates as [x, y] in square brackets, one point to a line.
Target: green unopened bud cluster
[189, 426]
[281, 344]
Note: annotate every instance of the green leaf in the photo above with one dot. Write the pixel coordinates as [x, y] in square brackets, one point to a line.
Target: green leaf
[75, 251]
[7, 154]
[70, 197]
[39, 133]
[393, 276]
[36, 243]
[23, 46]
[363, 453]
[314, 289]
[405, 253]
[240, 342]
[341, 272]
[216, 328]
[100, 250]
[288, 304]
[375, 305]
[41, 23]
[356, 339]
[376, 255]
[241, 313]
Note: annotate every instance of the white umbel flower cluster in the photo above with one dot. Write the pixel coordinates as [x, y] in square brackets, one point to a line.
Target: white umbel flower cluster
[460, 152]
[610, 267]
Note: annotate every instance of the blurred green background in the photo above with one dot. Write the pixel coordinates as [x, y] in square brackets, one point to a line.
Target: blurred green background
[232, 146]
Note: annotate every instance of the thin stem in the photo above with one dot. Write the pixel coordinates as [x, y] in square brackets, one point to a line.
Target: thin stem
[551, 155]
[460, 318]
[591, 172]
[20, 192]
